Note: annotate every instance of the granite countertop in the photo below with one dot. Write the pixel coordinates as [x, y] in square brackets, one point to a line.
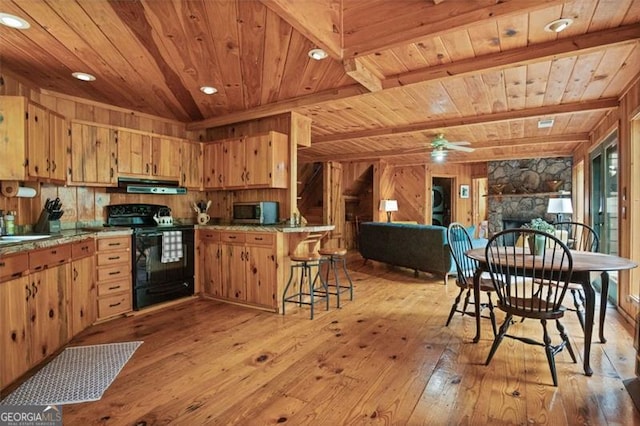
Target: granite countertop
[269, 228]
[65, 236]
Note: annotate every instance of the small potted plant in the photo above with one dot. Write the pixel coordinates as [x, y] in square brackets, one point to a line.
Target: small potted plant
[537, 245]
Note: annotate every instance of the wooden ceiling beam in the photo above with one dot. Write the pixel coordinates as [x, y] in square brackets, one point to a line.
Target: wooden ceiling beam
[358, 70]
[555, 49]
[538, 141]
[420, 20]
[439, 125]
[318, 20]
[278, 107]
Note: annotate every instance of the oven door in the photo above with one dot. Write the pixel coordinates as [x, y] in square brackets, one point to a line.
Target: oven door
[155, 281]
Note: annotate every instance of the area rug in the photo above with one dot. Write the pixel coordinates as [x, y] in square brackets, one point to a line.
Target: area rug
[78, 374]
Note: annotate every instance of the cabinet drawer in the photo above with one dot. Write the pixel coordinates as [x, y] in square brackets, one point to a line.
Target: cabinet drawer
[113, 287]
[49, 257]
[113, 258]
[13, 266]
[233, 237]
[114, 243]
[264, 239]
[114, 305]
[84, 248]
[110, 273]
[210, 235]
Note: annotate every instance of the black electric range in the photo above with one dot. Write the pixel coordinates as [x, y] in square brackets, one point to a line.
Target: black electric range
[162, 256]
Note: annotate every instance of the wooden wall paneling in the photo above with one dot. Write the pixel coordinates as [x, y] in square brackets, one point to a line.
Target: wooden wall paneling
[383, 188]
[410, 189]
[333, 203]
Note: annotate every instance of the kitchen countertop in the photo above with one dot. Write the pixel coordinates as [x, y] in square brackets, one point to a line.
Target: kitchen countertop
[269, 228]
[66, 236]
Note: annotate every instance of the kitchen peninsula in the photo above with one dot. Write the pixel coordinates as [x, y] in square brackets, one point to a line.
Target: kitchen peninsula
[248, 264]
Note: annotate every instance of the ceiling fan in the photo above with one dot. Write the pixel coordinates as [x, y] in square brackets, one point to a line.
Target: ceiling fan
[440, 146]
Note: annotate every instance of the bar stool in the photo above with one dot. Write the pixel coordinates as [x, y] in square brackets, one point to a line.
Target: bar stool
[335, 256]
[306, 262]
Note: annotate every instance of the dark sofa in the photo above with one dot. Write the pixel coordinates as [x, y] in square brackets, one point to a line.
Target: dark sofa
[418, 247]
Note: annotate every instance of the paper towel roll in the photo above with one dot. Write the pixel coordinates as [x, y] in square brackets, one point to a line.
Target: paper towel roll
[25, 192]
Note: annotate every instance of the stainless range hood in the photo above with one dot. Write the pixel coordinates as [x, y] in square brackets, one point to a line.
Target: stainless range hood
[148, 186]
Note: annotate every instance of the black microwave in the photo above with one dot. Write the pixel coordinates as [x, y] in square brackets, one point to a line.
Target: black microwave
[256, 212]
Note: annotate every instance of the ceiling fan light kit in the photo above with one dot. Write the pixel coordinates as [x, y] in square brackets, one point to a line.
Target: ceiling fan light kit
[440, 146]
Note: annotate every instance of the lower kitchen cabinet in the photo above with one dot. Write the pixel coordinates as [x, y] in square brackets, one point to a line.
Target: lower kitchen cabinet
[114, 286]
[243, 267]
[82, 288]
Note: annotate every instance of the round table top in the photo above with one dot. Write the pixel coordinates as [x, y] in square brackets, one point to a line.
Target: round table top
[582, 260]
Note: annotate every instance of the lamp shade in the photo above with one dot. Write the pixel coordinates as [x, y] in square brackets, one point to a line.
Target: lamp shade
[559, 205]
[388, 206]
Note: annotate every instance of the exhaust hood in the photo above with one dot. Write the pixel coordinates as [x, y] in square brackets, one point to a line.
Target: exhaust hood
[148, 186]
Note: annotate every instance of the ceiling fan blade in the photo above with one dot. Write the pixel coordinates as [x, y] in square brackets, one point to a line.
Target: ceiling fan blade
[457, 143]
[460, 148]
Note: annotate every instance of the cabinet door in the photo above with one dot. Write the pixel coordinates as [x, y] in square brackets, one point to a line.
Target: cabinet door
[166, 158]
[212, 268]
[257, 156]
[213, 165]
[14, 326]
[13, 137]
[58, 143]
[92, 155]
[38, 163]
[83, 294]
[134, 153]
[233, 271]
[261, 276]
[192, 164]
[234, 163]
[47, 311]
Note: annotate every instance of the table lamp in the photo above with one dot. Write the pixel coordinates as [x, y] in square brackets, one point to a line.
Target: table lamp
[388, 206]
[559, 206]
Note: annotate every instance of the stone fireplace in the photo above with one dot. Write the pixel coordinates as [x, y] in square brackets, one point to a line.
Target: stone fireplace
[519, 190]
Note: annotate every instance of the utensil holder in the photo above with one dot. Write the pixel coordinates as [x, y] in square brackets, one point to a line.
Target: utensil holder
[43, 223]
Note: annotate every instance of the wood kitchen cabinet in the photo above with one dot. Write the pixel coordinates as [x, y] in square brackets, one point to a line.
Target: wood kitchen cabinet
[243, 267]
[257, 161]
[33, 141]
[114, 285]
[213, 168]
[47, 300]
[144, 155]
[14, 323]
[210, 262]
[192, 165]
[82, 286]
[233, 265]
[93, 155]
[47, 142]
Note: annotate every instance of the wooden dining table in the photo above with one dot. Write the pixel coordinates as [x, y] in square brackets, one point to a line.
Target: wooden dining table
[584, 263]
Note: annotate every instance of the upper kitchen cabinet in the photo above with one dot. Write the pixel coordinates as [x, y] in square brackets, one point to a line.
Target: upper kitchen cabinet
[257, 161]
[192, 165]
[93, 155]
[213, 168]
[144, 155]
[34, 141]
[165, 153]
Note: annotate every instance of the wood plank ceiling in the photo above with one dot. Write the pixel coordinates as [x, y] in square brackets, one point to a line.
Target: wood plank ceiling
[398, 72]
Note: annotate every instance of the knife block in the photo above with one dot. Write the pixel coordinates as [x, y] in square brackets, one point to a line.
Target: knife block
[45, 225]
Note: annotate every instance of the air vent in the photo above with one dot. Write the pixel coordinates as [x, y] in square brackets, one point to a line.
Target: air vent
[545, 124]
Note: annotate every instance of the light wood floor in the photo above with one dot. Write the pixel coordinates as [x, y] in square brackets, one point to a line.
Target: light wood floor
[385, 358]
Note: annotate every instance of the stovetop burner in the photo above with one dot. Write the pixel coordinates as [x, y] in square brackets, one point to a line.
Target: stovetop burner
[141, 217]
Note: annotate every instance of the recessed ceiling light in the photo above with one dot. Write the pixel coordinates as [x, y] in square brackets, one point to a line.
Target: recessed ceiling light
[558, 25]
[13, 21]
[317, 54]
[545, 124]
[83, 76]
[209, 90]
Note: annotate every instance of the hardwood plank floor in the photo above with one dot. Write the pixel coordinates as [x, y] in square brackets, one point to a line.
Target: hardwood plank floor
[384, 358]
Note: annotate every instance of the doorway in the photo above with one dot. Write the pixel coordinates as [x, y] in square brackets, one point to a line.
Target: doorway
[604, 200]
[441, 201]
